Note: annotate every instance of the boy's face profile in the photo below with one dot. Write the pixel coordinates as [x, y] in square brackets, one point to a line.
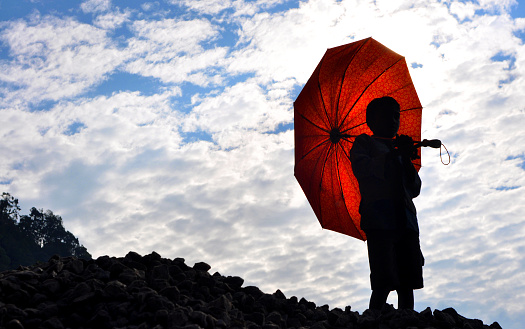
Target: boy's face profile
[386, 123]
[383, 117]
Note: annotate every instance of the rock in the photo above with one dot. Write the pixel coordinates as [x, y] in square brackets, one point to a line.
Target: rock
[55, 264]
[222, 303]
[201, 266]
[52, 323]
[200, 318]
[48, 309]
[128, 275]
[172, 293]
[20, 297]
[152, 260]
[186, 286]
[161, 317]
[234, 281]
[178, 318]
[243, 301]
[369, 319]
[116, 290]
[160, 272]
[275, 318]
[51, 286]
[133, 256]
[293, 322]
[444, 319]
[75, 266]
[116, 268]
[14, 324]
[81, 289]
[307, 304]
[101, 319]
[334, 315]
[256, 317]
[253, 291]
[268, 301]
[279, 294]
[404, 319]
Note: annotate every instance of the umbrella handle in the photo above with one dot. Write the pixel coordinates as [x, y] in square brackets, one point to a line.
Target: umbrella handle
[434, 143]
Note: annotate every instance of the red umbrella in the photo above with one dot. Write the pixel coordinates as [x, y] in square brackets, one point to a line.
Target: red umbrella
[330, 112]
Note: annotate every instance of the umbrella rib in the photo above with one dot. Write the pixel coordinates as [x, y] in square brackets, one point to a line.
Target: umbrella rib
[344, 75]
[339, 180]
[375, 79]
[318, 145]
[357, 229]
[343, 131]
[314, 148]
[313, 124]
[322, 100]
[342, 194]
[311, 180]
[414, 108]
[347, 155]
[321, 182]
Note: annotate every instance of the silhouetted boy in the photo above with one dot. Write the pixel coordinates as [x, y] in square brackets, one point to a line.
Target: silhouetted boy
[388, 182]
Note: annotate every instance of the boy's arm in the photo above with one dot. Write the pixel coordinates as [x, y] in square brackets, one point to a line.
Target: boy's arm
[364, 164]
[412, 179]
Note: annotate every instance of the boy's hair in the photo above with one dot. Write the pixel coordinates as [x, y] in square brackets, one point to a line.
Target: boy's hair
[379, 105]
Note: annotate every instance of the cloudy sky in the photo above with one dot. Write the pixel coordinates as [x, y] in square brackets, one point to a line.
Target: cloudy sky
[168, 126]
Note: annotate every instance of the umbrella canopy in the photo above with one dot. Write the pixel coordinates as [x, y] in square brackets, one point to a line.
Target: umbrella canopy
[330, 112]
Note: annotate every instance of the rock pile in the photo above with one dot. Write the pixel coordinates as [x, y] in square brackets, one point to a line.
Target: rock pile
[152, 292]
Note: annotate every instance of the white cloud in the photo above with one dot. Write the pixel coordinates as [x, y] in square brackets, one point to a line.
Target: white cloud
[112, 21]
[149, 5]
[172, 50]
[178, 35]
[242, 108]
[283, 46]
[95, 6]
[115, 129]
[497, 5]
[239, 7]
[205, 6]
[54, 58]
[463, 10]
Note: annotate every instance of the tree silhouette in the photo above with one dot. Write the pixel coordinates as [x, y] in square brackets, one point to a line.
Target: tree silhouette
[8, 209]
[45, 229]
[35, 237]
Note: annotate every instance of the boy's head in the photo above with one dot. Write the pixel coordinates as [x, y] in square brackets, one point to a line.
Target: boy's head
[382, 116]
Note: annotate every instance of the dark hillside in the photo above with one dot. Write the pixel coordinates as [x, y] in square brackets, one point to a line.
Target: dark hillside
[153, 292]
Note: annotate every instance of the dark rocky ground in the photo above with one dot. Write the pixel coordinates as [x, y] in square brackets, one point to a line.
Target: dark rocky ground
[153, 292]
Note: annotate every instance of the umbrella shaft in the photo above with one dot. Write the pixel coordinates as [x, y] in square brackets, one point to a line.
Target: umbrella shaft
[434, 143]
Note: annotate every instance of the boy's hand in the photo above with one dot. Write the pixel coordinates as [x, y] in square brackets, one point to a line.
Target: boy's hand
[405, 146]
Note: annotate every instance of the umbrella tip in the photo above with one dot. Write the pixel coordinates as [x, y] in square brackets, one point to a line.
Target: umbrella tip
[335, 135]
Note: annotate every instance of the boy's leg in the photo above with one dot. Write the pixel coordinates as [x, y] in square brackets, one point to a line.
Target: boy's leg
[383, 273]
[378, 299]
[405, 298]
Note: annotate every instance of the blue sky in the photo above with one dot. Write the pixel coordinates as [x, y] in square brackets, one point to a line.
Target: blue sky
[168, 126]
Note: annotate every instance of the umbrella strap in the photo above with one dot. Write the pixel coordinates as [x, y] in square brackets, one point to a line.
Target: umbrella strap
[441, 154]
